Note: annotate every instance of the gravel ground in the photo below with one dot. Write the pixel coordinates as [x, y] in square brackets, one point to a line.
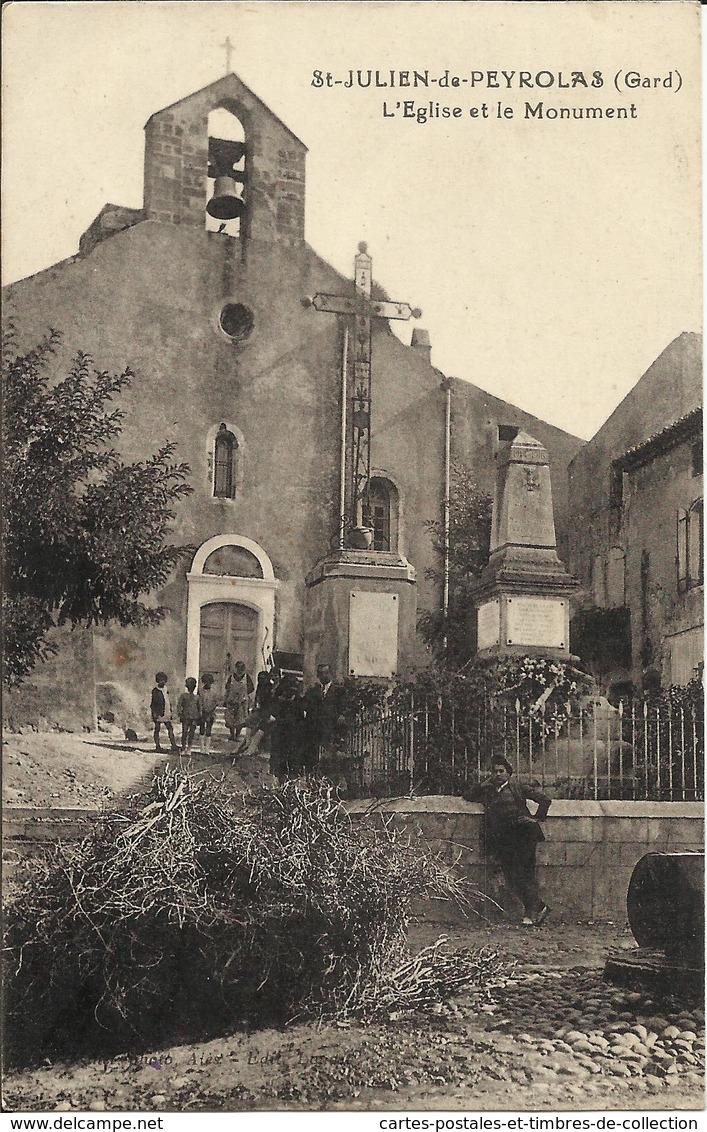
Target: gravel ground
[63, 769]
[554, 1036]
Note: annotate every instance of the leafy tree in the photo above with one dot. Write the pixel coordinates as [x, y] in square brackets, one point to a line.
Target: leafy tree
[84, 533]
[469, 538]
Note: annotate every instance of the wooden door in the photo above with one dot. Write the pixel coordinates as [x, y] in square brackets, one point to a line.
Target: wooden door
[227, 627]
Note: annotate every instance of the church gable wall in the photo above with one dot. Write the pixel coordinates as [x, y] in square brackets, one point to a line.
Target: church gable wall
[150, 298]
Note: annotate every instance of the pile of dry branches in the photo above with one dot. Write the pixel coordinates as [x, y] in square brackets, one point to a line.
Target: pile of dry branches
[205, 910]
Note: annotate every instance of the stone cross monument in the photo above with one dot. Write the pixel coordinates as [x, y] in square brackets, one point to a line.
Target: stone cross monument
[523, 599]
[364, 309]
[361, 607]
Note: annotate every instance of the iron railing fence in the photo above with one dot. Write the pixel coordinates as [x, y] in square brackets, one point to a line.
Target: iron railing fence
[636, 750]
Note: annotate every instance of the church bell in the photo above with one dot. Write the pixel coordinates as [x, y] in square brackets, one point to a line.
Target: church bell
[225, 204]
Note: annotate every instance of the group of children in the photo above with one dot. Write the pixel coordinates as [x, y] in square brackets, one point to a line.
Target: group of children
[295, 728]
[197, 709]
[192, 708]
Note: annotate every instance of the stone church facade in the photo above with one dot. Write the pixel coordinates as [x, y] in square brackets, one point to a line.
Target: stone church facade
[234, 363]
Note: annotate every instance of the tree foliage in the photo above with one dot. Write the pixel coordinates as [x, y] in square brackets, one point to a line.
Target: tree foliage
[84, 533]
[469, 538]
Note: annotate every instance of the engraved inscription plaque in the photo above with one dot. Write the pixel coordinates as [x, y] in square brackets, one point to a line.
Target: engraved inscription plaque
[488, 624]
[536, 621]
[373, 634]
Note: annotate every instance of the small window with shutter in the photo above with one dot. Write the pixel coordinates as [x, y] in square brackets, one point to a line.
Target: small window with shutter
[682, 566]
[695, 548]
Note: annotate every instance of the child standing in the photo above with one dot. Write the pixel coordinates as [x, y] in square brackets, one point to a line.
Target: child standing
[239, 689]
[210, 700]
[189, 712]
[161, 711]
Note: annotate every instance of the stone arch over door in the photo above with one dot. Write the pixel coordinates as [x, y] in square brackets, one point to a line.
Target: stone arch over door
[230, 571]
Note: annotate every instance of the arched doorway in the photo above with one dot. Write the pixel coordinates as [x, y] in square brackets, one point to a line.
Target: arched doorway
[228, 633]
[231, 606]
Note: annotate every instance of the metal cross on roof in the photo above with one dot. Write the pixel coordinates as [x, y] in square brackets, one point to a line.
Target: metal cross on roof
[363, 308]
[228, 47]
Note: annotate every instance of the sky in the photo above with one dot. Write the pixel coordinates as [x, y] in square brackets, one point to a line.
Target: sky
[553, 259]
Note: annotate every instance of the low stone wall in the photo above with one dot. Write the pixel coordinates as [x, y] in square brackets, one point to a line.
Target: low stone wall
[584, 865]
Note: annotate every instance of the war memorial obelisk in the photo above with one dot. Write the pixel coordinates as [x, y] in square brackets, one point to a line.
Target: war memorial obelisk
[523, 598]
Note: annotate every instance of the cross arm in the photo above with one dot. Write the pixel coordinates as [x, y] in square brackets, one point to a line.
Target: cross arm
[345, 304]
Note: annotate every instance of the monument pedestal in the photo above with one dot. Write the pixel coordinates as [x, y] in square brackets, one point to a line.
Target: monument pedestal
[360, 615]
[523, 599]
[524, 619]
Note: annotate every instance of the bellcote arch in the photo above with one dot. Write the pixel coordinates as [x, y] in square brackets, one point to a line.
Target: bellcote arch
[250, 582]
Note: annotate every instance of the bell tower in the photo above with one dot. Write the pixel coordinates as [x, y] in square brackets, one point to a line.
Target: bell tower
[253, 184]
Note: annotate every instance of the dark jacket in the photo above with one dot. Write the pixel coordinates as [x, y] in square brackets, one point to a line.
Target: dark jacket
[157, 704]
[286, 735]
[322, 713]
[506, 811]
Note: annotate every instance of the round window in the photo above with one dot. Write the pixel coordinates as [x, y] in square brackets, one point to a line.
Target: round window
[237, 321]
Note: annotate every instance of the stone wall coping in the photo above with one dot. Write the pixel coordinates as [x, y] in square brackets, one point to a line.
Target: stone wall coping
[52, 813]
[561, 807]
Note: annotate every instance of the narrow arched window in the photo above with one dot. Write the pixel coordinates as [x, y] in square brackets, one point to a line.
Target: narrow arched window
[381, 513]
[225, 455]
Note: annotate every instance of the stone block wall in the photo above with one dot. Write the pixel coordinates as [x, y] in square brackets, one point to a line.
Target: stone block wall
[176, 160]
[584, 866]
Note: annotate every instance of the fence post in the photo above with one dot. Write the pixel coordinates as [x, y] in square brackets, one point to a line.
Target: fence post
[633, 746]
[608, 753]
[580, 735]
[659, 784]
[694, 749]
[569, 742]
[645, 745]
[543, 743]
[411, 756]
[682, 749]
[670, 752]
[621, 744]
[596, 767]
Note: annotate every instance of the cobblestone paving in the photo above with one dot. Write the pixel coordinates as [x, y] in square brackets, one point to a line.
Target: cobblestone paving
[555, 1036]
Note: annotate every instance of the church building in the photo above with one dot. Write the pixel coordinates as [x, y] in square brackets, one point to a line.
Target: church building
[319, 443]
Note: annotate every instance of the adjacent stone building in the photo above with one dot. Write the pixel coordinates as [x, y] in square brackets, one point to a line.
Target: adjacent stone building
[210, 310]
[636, 536]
